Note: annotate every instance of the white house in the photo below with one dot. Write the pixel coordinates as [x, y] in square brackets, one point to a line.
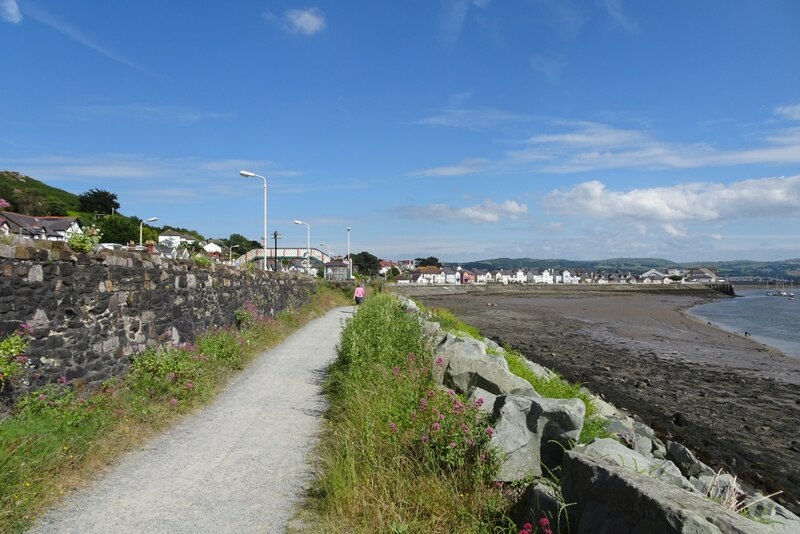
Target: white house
[173, 239]
[42, 227]
[212, 248]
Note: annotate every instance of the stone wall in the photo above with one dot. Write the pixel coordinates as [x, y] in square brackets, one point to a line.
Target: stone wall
[91, 312]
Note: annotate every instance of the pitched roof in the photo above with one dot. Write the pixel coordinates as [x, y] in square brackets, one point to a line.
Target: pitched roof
[40, 225]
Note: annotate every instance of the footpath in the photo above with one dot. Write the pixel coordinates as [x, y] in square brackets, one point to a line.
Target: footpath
[240, 465]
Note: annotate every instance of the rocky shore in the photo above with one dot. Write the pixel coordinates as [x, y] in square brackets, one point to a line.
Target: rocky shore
[731, 400]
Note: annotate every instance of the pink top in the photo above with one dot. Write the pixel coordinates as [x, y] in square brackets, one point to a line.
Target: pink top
[359, 292]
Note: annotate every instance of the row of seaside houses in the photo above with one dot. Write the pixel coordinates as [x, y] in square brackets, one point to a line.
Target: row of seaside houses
[449, 275]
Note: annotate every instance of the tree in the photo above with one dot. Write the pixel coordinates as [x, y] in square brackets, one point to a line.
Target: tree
[241, 243]
[118, 229]
[430, 261]
[29, 202]
[98, 201]
[366, 263]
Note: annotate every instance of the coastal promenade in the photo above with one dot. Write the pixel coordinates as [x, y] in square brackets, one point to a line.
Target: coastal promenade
[732, 400]
[239, 465]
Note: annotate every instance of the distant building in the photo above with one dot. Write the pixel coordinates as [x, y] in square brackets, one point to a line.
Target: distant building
[42, 227]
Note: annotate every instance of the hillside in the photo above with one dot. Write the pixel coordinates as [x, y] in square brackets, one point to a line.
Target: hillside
[23, 191]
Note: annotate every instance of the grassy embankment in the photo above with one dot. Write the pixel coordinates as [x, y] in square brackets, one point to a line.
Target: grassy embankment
[57, 437]
[400, 454]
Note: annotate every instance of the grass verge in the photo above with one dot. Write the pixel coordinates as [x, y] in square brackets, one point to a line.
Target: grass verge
[400, 454]
[58, 437]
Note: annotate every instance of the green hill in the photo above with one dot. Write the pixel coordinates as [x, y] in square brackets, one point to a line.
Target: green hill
[32, 197]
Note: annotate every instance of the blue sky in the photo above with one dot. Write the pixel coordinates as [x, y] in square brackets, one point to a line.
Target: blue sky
[460, 129]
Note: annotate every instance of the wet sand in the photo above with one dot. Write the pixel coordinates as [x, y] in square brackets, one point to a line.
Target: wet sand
[733, 401]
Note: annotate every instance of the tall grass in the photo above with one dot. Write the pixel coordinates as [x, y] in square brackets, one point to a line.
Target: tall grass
[58, 437]
[400, 455]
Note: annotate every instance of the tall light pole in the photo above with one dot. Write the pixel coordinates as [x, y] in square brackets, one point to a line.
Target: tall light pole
[329, 250]
[308, 244]
[141, 227]
[249, 174]
[230, 253]
[349, 261]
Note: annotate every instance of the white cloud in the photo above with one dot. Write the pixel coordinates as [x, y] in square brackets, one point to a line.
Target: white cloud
[467, 166]
[486, 212]
[791, 112]
[306, 21]
[590, 146]
[454, 16]
[75, 34]
[614, 8]
[152, 113]
[673, 231]
[762, 197]
[472, 118]
[10, 12]
[549, 66]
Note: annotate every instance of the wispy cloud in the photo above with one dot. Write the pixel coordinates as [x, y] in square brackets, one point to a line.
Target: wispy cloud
[761, 197]
[471, 118]
[791, 112]
[467, 166]
[454, 15]
[150, 113]
[486, 212]
[77, 35]
[589, 146]
[615, 9]
[550, 66]
[10, 12]
[309, 21]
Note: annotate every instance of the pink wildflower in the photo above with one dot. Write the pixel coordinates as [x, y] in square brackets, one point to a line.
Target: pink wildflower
[423, 403]
[392, 427]
[436, 426]
[189, 385]
[425, 438]
[42, 397]
[478, 402]
[411, 358]
[173, 401]
[489, 431]
[431, 393]
[439, 361]
[452, 444]
[22, 359]
[171, 377]
[396, 371]
[62, 380]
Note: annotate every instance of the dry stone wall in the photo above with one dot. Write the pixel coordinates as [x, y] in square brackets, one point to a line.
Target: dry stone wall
[91, 312]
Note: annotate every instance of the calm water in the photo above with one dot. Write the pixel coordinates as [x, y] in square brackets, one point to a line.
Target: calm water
[774, 321]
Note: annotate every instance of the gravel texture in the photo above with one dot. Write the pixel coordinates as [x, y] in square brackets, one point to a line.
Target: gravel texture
[240, 465]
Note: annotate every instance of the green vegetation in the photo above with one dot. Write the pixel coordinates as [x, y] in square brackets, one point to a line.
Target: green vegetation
[26, 194]
[60, 435]
[400, 454]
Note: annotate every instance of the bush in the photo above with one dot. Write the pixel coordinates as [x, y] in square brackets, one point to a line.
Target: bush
[201, 260]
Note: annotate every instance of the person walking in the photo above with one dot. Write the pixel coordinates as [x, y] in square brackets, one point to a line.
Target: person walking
[359, 294]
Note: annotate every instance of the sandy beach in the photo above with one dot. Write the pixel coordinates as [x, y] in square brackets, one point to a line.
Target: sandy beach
[732, 400]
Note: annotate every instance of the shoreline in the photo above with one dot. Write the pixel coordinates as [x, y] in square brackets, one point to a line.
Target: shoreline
[730, 398]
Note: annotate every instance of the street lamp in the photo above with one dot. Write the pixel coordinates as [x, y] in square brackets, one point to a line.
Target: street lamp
[230, 253]
[141, 226]
[349, 261]
[249, 174]
[308, 243]
[329, 250]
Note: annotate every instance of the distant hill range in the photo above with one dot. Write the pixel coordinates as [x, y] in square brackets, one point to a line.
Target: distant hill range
[739, 270]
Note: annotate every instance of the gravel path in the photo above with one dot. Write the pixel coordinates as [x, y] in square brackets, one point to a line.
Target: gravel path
[240, 465]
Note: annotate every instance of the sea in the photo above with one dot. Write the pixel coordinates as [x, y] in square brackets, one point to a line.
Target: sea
[773, 321]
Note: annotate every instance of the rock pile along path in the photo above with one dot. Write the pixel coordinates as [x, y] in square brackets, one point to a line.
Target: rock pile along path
[240, 465]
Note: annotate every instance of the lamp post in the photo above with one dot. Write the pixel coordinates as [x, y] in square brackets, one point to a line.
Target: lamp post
[308, 244]
[249, 174]
[141, 227]
[230, 253]
[276, 236]
[349, 261]
[329, 250]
